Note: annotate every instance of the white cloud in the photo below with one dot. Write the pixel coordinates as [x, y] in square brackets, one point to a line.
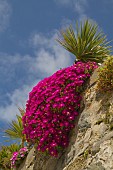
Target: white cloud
[5, 12]
[79, 6]
[17, 99]
[48, 58]
[51, 56]
[66, 23]
[10, 64]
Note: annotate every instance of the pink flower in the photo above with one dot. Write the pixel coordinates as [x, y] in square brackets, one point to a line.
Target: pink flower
[17, 155]
[53, 105]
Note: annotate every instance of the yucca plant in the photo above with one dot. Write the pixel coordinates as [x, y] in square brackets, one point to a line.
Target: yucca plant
[15, 129]
[87, 43]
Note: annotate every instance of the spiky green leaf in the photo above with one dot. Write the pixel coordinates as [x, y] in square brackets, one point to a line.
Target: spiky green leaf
[88, 43]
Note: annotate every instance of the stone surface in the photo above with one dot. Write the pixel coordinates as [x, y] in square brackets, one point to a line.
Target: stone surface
[91, 142]
[28, 163]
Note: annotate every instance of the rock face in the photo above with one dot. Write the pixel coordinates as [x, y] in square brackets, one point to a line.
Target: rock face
[91, 142]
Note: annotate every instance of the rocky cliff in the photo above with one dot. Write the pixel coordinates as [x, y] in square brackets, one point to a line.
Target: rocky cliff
[91, 142]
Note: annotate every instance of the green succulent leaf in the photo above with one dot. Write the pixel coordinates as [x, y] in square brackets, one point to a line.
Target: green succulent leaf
[15, 128]
[87, 43]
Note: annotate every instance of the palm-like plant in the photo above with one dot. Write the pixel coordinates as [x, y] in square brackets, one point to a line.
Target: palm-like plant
[87, 44]
[15, 128]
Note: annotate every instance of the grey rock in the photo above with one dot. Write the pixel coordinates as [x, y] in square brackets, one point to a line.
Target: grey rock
[84, 125]
[95, 148]
[97, 166]
[91, 144]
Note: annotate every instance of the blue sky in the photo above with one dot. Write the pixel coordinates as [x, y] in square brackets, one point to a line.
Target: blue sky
[28, 50]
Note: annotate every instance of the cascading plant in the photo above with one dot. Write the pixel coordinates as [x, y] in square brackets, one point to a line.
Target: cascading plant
[53, 106]
[18, 156]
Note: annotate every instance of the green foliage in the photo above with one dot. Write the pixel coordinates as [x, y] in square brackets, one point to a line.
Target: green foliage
[105, 77]
[13, 147]
[6, 154]
[87, 44]
[86, 153]
[15, 128]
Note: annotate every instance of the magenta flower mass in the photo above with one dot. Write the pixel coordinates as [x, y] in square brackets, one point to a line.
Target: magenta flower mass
[53, 106]
[18, 156]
